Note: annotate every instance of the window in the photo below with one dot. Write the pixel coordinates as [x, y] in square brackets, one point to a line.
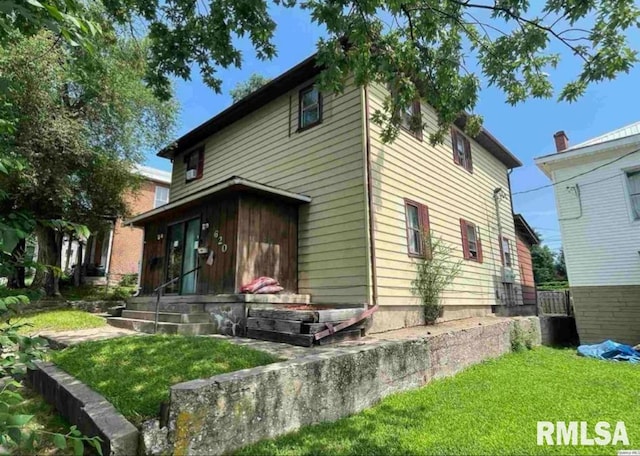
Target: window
[411, 120]
[461, 150]
[194, 164]
[310, 108]
[505, 250]
[161, 196]
[417, 219]
[633, 178]
[471, 245]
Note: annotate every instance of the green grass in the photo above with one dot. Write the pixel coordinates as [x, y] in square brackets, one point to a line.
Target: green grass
[58, 320]
[135, 373]
[491, 408]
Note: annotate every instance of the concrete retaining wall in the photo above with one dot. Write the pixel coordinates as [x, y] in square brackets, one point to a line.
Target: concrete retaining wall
[82, 406]
[226, 412]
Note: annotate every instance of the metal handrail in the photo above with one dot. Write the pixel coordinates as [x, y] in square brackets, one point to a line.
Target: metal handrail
[158, 291]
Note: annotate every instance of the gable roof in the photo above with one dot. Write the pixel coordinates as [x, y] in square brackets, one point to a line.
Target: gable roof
[300, 73]
[525, 230]
[628, 130]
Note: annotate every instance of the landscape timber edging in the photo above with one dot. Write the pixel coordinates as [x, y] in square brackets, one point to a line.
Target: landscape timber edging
[85, 408]
[223, 413]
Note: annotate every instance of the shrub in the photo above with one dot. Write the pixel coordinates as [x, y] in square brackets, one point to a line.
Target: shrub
[120, 294]
[129, 280]
[30, 294]
[19, 353]
[434, 273]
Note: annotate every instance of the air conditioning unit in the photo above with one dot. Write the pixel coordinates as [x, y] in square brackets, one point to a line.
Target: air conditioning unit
[191, 174]
[508, 275]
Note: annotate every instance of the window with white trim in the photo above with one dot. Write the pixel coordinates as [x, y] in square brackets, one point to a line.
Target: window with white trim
[633, 179]
[161, 196]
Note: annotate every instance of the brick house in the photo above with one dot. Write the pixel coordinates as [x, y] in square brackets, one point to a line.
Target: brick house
[116, 252]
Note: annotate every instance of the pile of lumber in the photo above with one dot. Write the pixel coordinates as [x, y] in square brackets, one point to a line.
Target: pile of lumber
[306, 326]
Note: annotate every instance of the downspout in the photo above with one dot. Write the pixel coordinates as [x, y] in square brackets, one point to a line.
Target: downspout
[369, 195]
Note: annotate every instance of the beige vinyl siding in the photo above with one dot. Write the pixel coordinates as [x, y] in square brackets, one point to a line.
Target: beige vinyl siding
[323, 162]
[414, 169]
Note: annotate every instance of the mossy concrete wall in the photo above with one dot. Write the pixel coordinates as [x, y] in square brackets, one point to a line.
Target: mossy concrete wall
[225, 412]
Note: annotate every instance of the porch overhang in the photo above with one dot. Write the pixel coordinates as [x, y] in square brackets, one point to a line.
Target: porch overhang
[231, 185]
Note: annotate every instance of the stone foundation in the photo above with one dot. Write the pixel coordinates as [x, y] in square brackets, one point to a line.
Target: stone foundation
[611, 312]
[389, 318]
[223, 413]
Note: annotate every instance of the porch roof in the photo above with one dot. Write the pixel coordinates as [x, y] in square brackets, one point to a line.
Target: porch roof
[233, 184]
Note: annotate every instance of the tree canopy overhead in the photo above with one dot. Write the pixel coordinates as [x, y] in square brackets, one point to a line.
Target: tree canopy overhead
[440, 50]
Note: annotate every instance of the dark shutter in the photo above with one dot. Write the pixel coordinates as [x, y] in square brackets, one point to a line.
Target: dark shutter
[467, 155]
[200, 163]
[500, 241]
[426, 230]
[479, 245]
[454, 142]
[465, 239]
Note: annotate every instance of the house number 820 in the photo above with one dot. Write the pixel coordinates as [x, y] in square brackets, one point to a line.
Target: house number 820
[220, 241]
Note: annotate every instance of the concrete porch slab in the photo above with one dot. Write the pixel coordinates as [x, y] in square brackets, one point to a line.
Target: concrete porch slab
[62, 339]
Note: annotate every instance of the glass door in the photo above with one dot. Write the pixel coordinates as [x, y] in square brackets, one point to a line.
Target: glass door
[175, 252]
[190, 257]
[182, 256]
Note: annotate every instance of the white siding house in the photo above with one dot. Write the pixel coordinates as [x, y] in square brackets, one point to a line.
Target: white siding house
[597, 190]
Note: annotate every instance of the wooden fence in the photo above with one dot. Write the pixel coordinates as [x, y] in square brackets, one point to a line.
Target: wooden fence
[555, 302]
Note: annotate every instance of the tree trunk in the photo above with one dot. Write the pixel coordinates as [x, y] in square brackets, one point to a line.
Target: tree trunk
[49, 255]
[77, 270]
[16, 280]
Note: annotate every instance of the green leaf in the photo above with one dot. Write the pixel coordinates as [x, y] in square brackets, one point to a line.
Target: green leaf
[78, 447]
[35, 3]
[19, 420]
[60, 441]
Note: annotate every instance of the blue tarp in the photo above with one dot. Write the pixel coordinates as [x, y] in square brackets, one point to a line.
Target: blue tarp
[610, 350]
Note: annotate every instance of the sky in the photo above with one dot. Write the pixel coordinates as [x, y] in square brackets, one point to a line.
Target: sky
[525, 129]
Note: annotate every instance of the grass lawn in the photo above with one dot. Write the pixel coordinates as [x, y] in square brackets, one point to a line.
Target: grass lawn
[491, 408]
[135, 373]
[58, 320]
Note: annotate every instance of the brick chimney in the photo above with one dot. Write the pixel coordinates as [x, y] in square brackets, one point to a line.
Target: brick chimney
[562, 142]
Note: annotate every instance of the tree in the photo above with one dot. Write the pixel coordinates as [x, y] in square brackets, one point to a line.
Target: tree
[543, 260]
[435, 49]
[242, 89]
[560, 266]
[79, 123]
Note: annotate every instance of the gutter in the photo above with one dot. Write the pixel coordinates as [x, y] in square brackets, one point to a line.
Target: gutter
[372, 240]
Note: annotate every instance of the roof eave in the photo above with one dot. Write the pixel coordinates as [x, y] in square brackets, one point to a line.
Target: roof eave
[301, 72]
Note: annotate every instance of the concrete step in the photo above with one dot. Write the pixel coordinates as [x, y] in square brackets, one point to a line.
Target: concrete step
[185, 329]
[168, 317]
[167, 307]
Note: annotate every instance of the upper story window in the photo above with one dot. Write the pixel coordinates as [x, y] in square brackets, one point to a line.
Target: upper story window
[417, 220]
[471, 244]
[633, 178]
[161, 196]
[461, 150]
[194, 164]
[411, 119]
[310, 106]
[505, 249]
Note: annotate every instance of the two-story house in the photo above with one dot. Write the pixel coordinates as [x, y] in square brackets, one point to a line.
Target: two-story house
[597, 190]
[296, 184]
